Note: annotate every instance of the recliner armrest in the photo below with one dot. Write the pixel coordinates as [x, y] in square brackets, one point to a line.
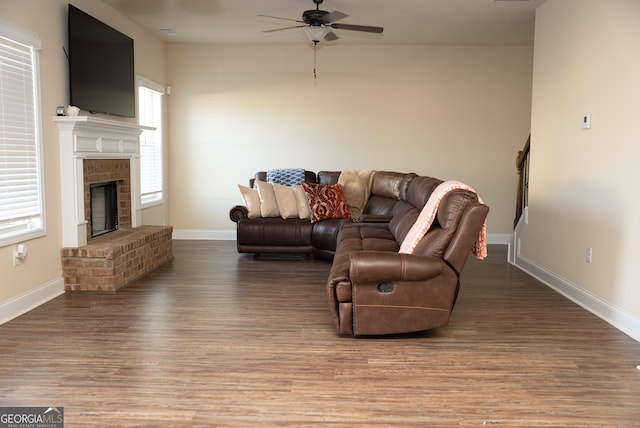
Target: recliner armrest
[377, 266]
[239, 212]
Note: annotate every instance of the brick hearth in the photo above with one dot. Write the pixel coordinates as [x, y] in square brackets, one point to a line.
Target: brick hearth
[112, 261]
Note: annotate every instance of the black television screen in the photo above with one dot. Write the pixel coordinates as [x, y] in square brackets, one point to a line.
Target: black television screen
[101, 66]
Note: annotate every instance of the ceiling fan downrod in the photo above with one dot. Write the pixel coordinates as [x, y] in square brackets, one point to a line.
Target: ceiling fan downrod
[315, 49]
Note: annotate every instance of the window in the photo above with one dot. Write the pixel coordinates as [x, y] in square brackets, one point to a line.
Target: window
[150, 114]
[21, 189]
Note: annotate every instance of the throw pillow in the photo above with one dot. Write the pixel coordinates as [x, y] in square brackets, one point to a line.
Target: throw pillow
[303, 203]
[286, 200]
[251, 200]
[268, 203]
[325, 201]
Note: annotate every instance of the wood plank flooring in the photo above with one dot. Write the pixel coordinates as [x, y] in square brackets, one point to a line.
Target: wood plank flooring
[215, 338]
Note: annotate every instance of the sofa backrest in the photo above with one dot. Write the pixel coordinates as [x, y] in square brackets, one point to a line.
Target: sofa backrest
[392, 185]
[401, 196]
[328, 177]
[420, 189]
[404, 216]
[455, 229]
[387, 188]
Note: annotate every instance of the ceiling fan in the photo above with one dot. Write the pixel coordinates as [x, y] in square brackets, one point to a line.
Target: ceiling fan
[318, 24]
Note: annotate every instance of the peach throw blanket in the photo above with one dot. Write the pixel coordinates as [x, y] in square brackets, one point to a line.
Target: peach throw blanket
[428, 214]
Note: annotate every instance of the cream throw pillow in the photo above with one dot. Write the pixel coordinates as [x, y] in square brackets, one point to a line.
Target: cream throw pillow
[286, 200]
[251, 200]
[303, 203]
[268, 202]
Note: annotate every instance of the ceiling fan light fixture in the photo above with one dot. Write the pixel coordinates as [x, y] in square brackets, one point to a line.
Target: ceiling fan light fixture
[316, 33]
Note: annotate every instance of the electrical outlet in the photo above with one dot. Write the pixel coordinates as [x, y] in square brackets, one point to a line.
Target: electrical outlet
[589, 255]
[19, 254]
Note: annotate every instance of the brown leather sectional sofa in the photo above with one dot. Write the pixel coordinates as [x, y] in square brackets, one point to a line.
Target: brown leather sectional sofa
[372, 288]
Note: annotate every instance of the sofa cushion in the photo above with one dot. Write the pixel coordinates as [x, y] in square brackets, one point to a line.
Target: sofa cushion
[430, 211]
[392, 185]
[404, 217]
[286, 200]
[325, 233]
[251, 200]
[380, 206]
[268, 202]
[301, 201]
[325, 201]
[439, 236]
[328, 177]
[367, 237]
[420, 189]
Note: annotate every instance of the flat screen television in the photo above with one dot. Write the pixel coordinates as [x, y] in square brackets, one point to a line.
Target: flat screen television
[101, 66]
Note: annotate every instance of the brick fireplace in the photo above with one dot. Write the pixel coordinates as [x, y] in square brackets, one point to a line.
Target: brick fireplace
[94, 150]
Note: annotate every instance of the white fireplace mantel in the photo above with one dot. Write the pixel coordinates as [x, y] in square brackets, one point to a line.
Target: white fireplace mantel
[85, 137]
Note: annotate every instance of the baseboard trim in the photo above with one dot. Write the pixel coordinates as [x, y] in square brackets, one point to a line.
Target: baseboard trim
[498, 238]
[33, 298]
[592, 303]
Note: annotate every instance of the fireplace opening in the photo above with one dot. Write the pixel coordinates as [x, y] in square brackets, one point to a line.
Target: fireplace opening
[104, 207]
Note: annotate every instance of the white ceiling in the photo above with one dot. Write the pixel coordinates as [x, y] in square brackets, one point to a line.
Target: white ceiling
[434, 22]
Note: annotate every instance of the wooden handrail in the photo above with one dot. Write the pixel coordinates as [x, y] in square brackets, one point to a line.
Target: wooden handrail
[522, 164]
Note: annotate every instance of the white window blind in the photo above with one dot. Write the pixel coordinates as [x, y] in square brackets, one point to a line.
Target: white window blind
[150, 114]
[21, 200]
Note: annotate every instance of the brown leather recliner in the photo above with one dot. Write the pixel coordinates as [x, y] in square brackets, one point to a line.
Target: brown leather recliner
[375, 290]
[372, 288]
[272, 234]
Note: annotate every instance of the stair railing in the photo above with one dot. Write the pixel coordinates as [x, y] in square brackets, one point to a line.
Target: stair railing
[522, 164]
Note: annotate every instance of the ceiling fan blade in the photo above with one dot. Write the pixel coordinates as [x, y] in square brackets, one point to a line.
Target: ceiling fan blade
[286, 19]
[352, 27]
[332, 16]
[283, 28]
[331, 36]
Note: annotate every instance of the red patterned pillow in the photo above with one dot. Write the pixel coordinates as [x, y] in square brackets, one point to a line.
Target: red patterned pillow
[325, 201]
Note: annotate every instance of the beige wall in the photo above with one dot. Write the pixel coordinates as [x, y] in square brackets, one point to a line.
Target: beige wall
[48, 19]
[583, 190]
[449, 112]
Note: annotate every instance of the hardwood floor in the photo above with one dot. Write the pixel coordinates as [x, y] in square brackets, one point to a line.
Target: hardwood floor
[215, 338]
